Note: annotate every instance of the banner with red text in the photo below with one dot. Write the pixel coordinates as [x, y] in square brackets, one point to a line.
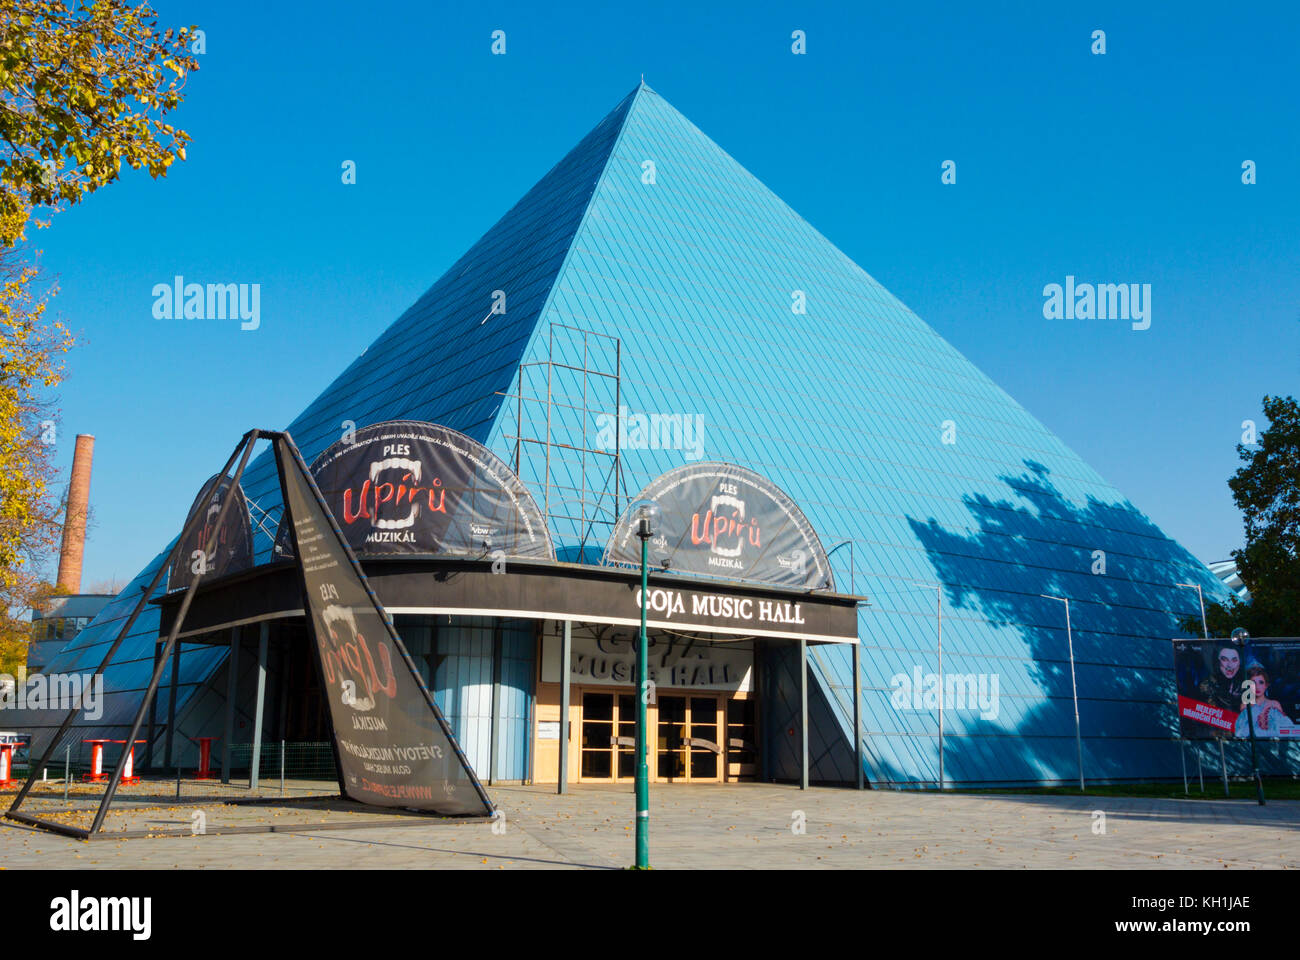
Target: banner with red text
[1216, 677]
[408, 487]
[395, 749]
[722, 520]
[232, 544]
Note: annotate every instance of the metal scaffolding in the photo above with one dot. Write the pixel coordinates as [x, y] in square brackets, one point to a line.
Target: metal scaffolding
[580, 477]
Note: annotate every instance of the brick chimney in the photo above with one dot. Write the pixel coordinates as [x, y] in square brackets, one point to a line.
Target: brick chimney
[74, 522]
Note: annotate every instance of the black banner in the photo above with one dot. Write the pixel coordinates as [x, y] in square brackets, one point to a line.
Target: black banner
[722, 520]
[394, 746]
[1213, 675]
[406, 487]
[233, 549]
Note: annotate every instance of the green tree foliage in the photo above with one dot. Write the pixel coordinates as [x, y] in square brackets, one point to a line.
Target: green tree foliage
[31, 350]
[1267, 490]
[82, 89]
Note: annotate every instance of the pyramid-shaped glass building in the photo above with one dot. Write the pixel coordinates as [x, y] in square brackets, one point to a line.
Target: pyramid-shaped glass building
[649, 278]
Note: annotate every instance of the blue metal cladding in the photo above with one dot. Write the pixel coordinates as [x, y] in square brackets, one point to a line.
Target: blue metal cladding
[125, 679]
[455, 657]
[518, 668]
[649, 232]
[844, 406]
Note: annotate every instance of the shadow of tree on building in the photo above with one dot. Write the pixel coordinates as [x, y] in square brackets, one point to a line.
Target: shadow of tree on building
[1120, 573]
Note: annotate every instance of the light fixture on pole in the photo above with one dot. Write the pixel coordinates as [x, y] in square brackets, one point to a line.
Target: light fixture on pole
[1205, 631]
[645, 514]
[1074, 686]
[938, 589]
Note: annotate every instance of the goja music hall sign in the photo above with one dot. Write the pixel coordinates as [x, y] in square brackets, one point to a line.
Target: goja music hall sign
[723, 520]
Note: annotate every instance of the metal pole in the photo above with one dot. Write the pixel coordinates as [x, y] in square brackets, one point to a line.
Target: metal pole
[618, 426]
[152, 735]
[1254, 756]
[126, 628]
[803, 714]
[1205, 632]
[67, 770]
[582, 499]
[550, 366]
[1182, 753]
[566, 658]
[1200, 596]
[171, 705]
[232, 691]
[282, 768]
[857, 710]
[256, 761]
[1223, 765]
[938, 591]
[493, 728]
[1074, 686]
[248, 442]
[643, 693]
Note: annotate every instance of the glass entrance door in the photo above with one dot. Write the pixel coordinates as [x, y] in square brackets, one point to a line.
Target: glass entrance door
[742, 749]
[597, 734]
[608, 736]
[694, 738]
[670, 749]
[688, 745]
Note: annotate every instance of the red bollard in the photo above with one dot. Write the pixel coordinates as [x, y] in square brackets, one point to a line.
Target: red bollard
[96, 761]
[128, 772]
[7, 765]
[205, 758]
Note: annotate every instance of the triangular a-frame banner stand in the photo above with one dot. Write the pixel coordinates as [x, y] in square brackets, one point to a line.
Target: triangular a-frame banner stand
[393, 745]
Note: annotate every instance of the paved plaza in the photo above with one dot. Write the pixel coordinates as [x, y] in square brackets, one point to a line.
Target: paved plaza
[743, 826]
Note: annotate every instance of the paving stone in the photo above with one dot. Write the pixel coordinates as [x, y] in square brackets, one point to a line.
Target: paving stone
[741, 826]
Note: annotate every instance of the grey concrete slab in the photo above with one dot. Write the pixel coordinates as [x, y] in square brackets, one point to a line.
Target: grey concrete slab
[744, 826]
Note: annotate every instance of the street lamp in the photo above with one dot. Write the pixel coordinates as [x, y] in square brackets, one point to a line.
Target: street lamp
[1240, 636]
[1205, 631]
[645, 514]
[1074, 686]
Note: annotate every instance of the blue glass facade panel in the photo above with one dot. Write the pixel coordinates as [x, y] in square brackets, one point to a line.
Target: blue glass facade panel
[845, 406]
[455, 656]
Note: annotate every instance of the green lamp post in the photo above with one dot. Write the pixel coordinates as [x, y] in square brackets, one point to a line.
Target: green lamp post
[645, 514]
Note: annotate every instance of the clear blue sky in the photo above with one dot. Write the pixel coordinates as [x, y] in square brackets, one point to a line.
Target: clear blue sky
[1117, 168]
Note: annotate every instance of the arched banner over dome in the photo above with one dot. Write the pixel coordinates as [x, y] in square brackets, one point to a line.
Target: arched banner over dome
[233, 550]
[723, 520]
[407, 487]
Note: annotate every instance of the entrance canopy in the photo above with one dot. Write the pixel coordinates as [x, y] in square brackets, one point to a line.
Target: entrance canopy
[538, 591]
